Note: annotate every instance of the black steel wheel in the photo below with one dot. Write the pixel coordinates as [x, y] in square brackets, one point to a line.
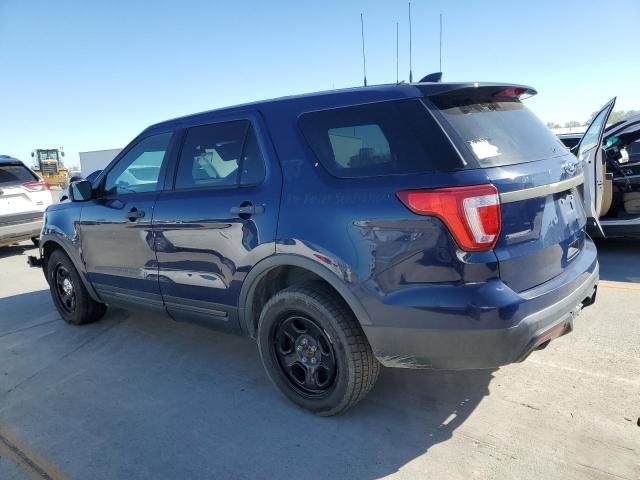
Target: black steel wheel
[314, 350]
[70, 296]
[305, 354]
[65, 289]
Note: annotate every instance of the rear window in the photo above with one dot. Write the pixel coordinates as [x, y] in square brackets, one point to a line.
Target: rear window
[15, 175]
[496, 131]
[386, 138]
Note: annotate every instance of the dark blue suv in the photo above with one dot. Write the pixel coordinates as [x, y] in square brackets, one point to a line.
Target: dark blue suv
[430, 225]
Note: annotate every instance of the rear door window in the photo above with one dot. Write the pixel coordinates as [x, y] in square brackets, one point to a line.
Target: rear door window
[15, 175]
[219, 155]
[385, 138]
[496, 131]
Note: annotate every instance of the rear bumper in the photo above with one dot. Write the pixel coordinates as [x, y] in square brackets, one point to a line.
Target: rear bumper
[444, 340]
[18, 232]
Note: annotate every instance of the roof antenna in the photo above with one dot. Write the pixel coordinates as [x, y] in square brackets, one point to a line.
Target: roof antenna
[364, 59]
[441, 42]
[410, 71]
[397, 77]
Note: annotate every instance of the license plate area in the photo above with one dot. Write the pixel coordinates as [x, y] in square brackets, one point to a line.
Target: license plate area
[568, 207]
[14, 204]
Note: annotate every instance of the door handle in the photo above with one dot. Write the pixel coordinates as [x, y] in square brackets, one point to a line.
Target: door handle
[246, 209]
[134, 214]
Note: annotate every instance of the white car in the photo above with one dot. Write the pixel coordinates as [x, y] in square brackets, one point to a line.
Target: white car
[23, 199]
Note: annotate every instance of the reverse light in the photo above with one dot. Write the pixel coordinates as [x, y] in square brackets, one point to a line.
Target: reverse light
[39, 186]
[472, 214]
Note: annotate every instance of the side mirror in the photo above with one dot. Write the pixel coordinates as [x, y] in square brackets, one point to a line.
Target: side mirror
[80, 191]
[93, 175]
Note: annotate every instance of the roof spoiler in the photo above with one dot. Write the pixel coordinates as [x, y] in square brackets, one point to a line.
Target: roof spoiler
[477, 89]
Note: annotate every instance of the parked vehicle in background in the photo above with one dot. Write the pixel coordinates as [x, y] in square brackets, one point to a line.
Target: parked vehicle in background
[49, 165]
[613, 156]
[570, 140]
[23, 199]
[96, 160]
[429, 225]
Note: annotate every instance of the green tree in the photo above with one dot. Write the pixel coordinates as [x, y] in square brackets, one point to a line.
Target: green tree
[553, 125]
[615, 116]
[572, 123]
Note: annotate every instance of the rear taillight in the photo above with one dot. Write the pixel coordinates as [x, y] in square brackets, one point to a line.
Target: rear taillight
[39, 186]
[472, 214]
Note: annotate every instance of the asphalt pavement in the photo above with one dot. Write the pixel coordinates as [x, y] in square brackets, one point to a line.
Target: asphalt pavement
[137, 397]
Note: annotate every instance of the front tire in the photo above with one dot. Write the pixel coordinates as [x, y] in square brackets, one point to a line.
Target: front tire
[71, 298]
[314, 350]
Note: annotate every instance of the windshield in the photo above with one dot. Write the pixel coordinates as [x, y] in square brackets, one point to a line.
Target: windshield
[496, 132]
[47, 154]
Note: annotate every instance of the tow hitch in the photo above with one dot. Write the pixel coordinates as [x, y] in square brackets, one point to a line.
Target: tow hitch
[590, 300]
[34, 262]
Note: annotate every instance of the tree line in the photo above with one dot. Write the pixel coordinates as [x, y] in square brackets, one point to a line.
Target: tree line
[615, 116]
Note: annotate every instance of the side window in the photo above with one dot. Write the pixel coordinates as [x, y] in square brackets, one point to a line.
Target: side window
[220, 154]
[592, 135]
[377, 139]
[359, 145]
[139, 169]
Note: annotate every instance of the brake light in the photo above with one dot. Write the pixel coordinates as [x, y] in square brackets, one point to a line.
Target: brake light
[472, 214]
[520, 93]
[39, 186]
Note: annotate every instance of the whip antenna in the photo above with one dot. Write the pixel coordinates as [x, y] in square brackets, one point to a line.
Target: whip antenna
[410, 70]
[440, 42]
[364, 59]
[397, 77]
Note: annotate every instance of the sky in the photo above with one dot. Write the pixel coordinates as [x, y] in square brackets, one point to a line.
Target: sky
[90, 75]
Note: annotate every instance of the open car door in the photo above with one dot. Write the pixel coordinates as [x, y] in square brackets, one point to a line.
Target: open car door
[590, 151]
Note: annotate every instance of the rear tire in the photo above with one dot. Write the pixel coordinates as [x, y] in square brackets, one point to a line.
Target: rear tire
[71, 298]
[314, 350]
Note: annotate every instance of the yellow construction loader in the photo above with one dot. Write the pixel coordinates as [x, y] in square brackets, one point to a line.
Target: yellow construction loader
[49, 165]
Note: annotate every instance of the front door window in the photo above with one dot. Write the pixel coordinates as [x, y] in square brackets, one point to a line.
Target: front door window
[139, 169]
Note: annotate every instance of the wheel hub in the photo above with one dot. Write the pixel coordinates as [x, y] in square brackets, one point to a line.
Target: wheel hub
[305, 355]
[67, 286]
[307, 349]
